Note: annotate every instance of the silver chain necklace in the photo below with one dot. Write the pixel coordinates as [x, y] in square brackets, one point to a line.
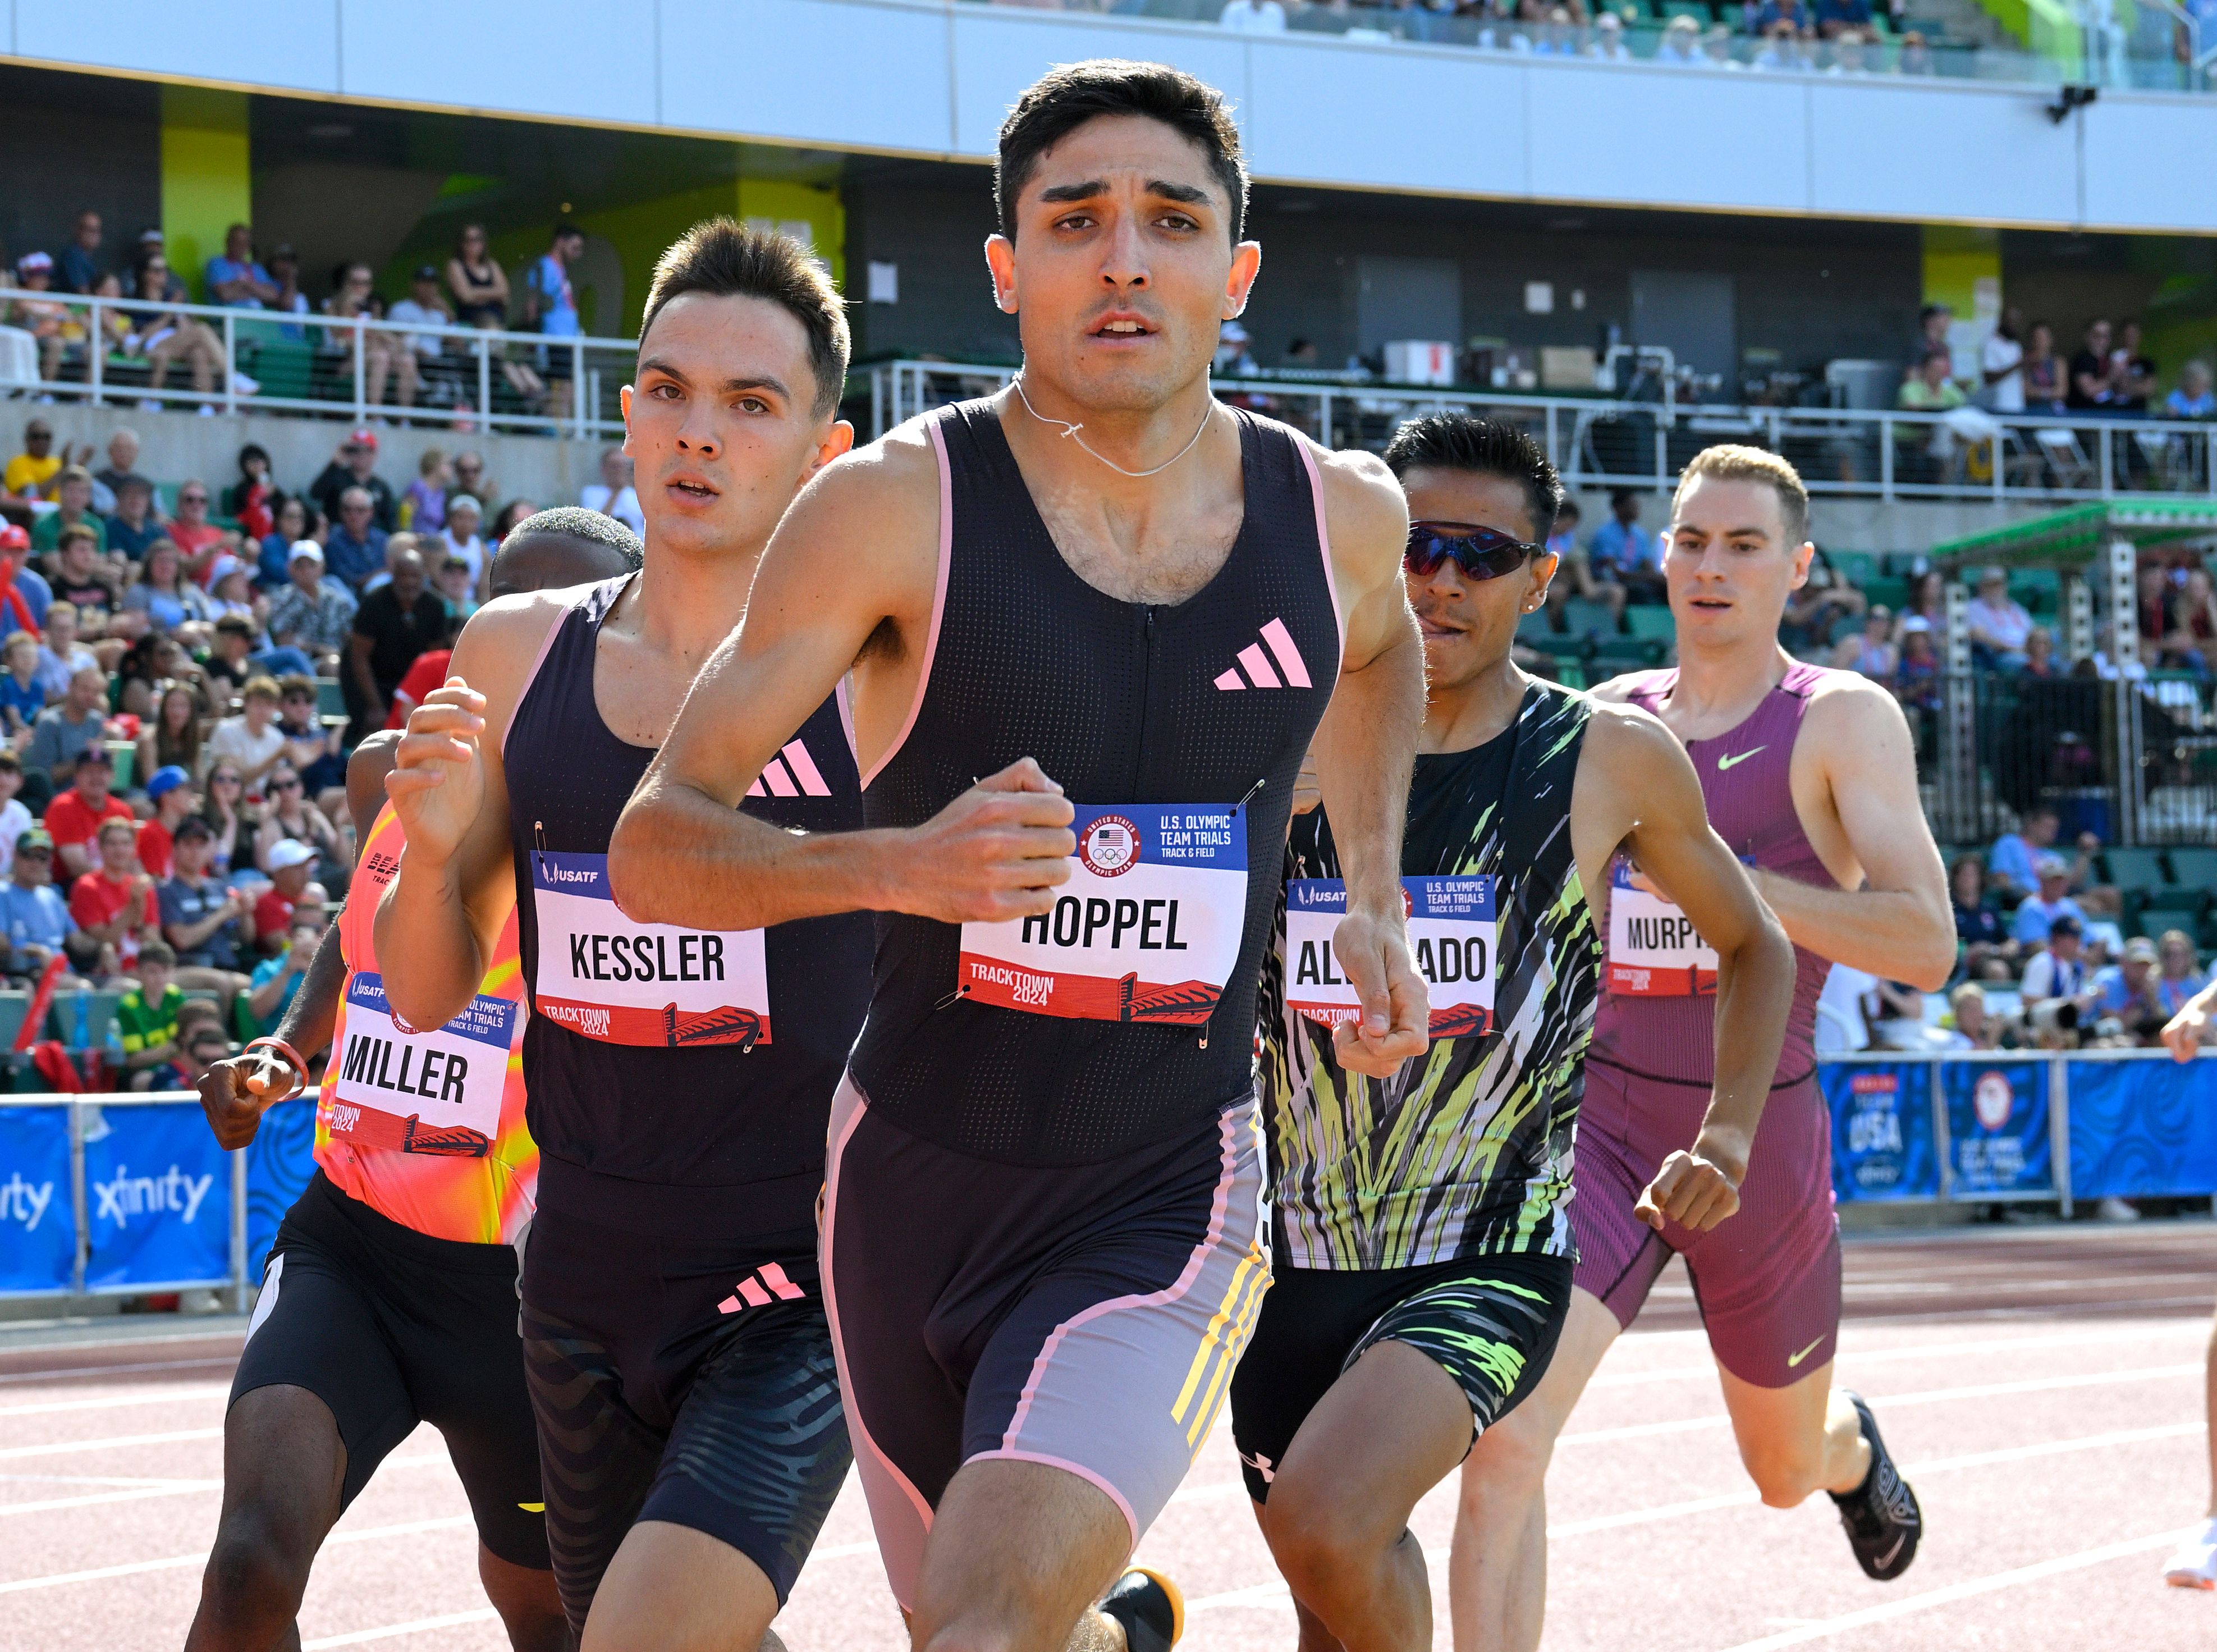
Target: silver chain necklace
[1070, 433]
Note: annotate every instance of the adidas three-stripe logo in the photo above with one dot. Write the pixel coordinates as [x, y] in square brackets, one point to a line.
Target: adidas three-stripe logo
[1256, 665]
[758, 1287]
[792, 773]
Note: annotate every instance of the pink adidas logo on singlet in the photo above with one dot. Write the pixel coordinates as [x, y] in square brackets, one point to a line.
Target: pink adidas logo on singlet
[756, 1289]
[801, 779]
[1257, 665]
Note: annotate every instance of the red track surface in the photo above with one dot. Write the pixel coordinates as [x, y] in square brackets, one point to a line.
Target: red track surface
[2043, 1388]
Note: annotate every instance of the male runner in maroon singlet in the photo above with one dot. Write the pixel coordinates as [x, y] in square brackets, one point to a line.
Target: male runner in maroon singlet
[1811, 778]
[1127, 607]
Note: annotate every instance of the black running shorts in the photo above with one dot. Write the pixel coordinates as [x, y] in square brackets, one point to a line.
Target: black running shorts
[390, 1328]
[681, 1380]
[1491, 1322]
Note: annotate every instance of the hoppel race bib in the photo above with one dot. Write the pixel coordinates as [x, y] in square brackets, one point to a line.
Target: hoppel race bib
[1653, 949]
[603, 977]
[435, 1092]
[1147, 929]
[1451, 929]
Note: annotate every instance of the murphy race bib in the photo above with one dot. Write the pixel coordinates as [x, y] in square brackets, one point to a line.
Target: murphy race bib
[1653, 950]
[1147, 929]
[436, 1092]
[603, 977]
[1451, 932]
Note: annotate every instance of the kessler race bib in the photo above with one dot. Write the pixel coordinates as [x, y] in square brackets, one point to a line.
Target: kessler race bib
[435, 1092]
[1654, 950]
[1147, 929]
[603, 977]
[1451, 932]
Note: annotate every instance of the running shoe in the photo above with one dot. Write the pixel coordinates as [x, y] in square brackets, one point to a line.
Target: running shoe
[1150, 1609]
[1881, 1515]
[2193, 1564]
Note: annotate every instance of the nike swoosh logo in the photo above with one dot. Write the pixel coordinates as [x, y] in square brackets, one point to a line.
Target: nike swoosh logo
[1797, 1359]
[1724, 764]
[1886, 1559]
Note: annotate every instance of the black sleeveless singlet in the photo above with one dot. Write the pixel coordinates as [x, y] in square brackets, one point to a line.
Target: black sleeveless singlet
[1120, 702]
[691, 1140]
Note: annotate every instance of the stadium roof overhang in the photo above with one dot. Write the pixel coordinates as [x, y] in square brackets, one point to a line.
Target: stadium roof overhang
[2072, 539]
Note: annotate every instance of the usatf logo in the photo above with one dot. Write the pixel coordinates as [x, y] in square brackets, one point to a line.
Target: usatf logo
[124, 1196]
[1992, 1099]
[1110, 847]
[25, 1201]
[1256, 665]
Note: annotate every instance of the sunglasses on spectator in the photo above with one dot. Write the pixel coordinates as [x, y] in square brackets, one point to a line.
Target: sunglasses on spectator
[290, 783]
[297, 698]
[224, 780]
[192, 499]
[34, 854]
[1480, 553]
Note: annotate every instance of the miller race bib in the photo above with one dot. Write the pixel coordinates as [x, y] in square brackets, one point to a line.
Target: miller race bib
[435, 1092]
[1451, 933]
[604, 977]
[1653, 949]
[1147, 929]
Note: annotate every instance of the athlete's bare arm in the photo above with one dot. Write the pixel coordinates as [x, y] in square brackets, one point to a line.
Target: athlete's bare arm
[442, 913]
[2185, 1033]
[848, 583]
[1636, 789]
[235, 1093]
[1855, 787]
[1362, 754]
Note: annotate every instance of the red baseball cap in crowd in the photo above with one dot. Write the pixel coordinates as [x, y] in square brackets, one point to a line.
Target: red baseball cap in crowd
[364, 437]
[13, 538]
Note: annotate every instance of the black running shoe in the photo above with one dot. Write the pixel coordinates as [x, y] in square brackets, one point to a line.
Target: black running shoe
[1881, 1516]
[1150, 1609]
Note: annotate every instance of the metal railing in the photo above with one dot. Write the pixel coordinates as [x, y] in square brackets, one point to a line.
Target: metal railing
[275, 361]
[2033, 459]
[2108, 62]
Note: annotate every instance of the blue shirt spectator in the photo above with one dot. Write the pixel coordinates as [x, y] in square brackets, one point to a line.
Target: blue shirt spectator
[37, 596]
[234, 280]
[1619, 546]
[2011, 860]
[549, 299]
[35, 916]
[353, 559]
[2034, 917]
[1846, 14]
[26, 699]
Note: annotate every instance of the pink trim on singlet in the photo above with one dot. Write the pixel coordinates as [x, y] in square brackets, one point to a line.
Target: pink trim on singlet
[847, 716]
[546, 647]
[1324, 540]
[938, 602]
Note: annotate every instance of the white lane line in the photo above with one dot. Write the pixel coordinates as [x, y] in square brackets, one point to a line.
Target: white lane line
[1256, 1594]
[148, 1487]
[1980, 1391]
[1859, 1356]
[114, 1442]
[168, 1395]
[49, 1505]
[171, 1562]
[1826, 1628]
[112, 1370]
[356, 1638]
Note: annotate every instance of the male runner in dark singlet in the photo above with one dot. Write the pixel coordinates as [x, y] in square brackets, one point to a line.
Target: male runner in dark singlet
[390, 1294]
[1810, 777]
[1422, 1257]
[680, 1074]
[2193, 1564]
[1126, 606]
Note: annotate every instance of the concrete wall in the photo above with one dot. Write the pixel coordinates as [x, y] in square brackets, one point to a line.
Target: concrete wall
[915, 77]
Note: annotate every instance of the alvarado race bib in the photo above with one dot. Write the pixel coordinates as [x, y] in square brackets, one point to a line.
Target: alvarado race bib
[435, 1092]
[603, 977]
[1653, 950]
[1147, 929]
[1451, 929]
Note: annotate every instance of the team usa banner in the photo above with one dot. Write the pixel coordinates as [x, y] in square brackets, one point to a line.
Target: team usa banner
[604, 977]
[1451, 933]
[1147, 929]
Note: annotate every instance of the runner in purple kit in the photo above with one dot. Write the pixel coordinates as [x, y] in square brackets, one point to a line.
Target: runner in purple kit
[1811, 778]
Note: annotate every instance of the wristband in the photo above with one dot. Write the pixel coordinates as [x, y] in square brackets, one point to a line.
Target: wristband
[293, 1056]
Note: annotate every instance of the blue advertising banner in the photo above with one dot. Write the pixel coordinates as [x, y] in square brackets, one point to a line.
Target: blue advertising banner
[158, 1190]
[2142, 1127]
[1882, 1134]
[38, 1222]
[1998, 1127]
[279, 1162]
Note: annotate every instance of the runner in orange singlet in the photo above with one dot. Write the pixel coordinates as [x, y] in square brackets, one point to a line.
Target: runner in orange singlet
[389, 1296]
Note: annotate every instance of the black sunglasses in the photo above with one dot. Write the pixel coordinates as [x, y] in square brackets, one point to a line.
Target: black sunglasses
[1480, 553]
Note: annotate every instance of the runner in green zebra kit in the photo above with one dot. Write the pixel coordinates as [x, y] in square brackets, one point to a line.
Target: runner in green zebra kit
[1421, 1247]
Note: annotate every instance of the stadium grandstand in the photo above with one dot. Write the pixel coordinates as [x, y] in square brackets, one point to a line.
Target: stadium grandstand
[303, 310]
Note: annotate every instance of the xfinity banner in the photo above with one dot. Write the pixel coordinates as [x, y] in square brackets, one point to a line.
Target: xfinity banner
[37, 1228]
[279, 1162]
[158, 1197]
[1882, 1145]
[2143, 1127]
[1998, 1127]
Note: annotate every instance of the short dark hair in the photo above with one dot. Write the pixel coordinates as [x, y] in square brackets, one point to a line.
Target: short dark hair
[573, 522]
[159, 952]
[1065, 98]
[722, 257]
[1489, 446]
[74, 532]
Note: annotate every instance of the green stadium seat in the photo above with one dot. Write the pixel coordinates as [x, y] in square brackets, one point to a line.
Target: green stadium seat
[331, 698]
[1859, 566]
[1584, 619]
[1888, 588]
[2195, 869]
[285, 368]
[2152, 912]
[2135, 868]
[1650, 624]
[14, 1007]
[99, 1016]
